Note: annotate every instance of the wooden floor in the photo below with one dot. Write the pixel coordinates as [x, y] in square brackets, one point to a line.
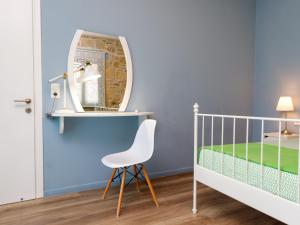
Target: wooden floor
[174, 194]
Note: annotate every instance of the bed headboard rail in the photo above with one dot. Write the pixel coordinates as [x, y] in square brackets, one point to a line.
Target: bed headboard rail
[210, 118]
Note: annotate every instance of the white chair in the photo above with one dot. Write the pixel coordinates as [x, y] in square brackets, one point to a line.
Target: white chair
[140, 152]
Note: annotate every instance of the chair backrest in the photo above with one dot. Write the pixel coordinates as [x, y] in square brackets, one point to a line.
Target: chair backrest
[143, 144]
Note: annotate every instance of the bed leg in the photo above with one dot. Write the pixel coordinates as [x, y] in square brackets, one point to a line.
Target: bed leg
[196, 110]
[195, 197]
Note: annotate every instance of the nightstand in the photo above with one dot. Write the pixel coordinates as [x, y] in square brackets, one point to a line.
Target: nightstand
[288, 141]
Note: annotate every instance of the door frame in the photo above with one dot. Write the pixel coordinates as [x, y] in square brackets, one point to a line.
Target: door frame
[38, 99]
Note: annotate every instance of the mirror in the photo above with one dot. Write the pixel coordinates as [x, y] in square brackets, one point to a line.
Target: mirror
[99, 72]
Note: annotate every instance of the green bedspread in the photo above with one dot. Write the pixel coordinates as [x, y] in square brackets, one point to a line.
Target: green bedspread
[288, 162]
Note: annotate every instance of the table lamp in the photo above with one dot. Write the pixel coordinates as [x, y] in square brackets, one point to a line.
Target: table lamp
[90, 73]
[285, 105]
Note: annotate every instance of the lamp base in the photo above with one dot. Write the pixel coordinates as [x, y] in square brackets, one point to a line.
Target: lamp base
[286, 132]
[64, 111]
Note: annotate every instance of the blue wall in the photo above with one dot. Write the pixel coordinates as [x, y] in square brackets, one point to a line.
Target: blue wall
[277, 55]
[183, 52]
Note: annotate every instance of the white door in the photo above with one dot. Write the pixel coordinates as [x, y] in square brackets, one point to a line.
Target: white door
[17, 162]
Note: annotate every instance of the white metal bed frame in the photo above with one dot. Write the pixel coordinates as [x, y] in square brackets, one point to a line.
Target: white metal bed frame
[266, 202]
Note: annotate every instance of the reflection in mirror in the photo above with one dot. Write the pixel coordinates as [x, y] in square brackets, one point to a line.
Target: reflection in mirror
[99, 72]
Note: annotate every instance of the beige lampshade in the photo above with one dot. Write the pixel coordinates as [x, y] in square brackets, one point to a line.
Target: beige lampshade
[285, 104]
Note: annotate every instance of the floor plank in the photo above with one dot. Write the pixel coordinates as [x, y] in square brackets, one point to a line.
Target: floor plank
[174, 194]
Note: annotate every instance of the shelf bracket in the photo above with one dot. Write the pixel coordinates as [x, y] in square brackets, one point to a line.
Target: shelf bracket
[61, 124]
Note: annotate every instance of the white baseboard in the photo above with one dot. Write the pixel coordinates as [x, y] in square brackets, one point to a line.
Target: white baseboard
[101, 184]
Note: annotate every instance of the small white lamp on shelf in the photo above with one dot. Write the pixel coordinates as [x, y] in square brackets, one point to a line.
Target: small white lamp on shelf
[65, 108]
[90, 73]
[285, 105]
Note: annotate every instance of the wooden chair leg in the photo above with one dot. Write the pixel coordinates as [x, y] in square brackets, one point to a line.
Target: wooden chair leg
[121, 192]
[109, 183]
[136, 179]
[150, 185]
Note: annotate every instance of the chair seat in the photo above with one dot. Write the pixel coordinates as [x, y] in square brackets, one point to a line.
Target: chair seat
[122, 159]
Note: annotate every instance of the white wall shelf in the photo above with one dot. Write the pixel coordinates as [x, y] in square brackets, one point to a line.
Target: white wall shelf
[62, 116]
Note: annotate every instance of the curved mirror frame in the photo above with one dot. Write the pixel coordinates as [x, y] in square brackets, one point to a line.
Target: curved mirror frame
[71, 80]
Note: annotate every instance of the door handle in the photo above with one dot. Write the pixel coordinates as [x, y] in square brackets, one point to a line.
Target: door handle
[26, 100]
